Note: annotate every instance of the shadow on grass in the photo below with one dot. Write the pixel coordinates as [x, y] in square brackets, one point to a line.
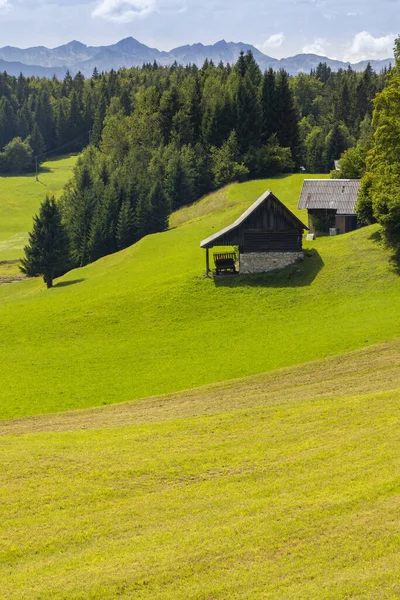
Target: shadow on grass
[376, 237]
[298, 275]
[68, 283]
[395, 262]
[394, 259]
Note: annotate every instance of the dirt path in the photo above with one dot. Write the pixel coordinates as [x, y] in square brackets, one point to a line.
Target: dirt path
[9, 272]
[11, 278]
[375, 369]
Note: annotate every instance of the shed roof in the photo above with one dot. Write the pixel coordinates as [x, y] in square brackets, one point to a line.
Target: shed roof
[339, 194]
[213, 238]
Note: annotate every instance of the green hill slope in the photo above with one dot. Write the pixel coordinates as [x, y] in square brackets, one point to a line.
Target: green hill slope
[145, 321]
[284, 485]
[20, 198]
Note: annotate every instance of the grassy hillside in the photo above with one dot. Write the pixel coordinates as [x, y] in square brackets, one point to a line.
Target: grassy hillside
[145, 321]
[20, 198]
[283, 485]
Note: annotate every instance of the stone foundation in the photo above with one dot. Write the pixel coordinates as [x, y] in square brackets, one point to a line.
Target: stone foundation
[262, 262]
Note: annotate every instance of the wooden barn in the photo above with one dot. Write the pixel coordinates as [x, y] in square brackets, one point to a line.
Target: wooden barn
[331, 204]
[267, 236]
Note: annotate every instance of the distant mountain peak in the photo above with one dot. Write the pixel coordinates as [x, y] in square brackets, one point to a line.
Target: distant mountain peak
[129, 52]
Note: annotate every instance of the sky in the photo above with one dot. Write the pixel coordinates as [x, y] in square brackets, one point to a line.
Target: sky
[344, 29]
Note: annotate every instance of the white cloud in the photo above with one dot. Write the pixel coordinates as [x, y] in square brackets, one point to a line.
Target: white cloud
[274, 41]
[124, 11]
[317, 47]
[5, 6]
[365, 46]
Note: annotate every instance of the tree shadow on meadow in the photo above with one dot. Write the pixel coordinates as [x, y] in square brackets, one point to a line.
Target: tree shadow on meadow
[62, 284]
[394, 259]
[300, 274]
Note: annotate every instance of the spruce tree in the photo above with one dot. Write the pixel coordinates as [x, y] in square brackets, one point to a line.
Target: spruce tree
[335, 144]
[36, 142]
[126, 231]
[287, 118]
[268, 106]
[61, 123]
[44, 118]
[160, 208]
[47, 253]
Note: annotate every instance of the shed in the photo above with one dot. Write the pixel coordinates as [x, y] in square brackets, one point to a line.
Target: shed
[331, 203]
[268, 236]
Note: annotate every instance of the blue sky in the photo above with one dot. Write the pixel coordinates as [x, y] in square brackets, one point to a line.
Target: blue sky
[344, 29]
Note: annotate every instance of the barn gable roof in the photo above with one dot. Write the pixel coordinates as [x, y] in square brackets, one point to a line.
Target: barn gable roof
[211, 241]
[335, 194]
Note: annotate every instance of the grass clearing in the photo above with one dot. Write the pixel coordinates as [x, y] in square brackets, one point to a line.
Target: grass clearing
[145, 321]
[280, 486]
[20, 198]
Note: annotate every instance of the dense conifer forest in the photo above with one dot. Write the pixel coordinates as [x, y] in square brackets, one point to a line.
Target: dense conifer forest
[157, 138]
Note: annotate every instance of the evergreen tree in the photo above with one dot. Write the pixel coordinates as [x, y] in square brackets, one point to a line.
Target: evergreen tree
[269, 109]
[75, 122]
[287, 121]
[35, 140]
[47, 253]
[126, 230]
[99, 116]
[8, 122]
[335, 144]
[160, 208]
[44, 118]
[143, 216]
[248, 114]
[62, 130]
[169, 106]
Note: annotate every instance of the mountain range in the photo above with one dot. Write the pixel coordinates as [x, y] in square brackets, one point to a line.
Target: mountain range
[75, 56]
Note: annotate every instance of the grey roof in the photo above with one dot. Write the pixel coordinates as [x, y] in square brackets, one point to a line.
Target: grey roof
[339, 194]
[244, 216]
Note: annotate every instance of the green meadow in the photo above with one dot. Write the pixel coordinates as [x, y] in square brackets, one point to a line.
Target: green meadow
[283, 485]
[146, 321]
[235, 438]
[20, 198]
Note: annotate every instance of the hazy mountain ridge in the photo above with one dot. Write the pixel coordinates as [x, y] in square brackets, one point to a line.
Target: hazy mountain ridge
[75, 56]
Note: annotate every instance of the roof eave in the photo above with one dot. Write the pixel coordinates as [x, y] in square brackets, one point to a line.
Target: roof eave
[208, 242]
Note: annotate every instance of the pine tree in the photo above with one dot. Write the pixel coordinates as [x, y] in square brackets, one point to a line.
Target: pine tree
[75, 122]
[36, 142]
[169, 106]
[143, 216]
[8, 122]
[160, 208]
[336, 143]
[126, 231]
[268, 106]
[44, 118]
[99, 116]
[47, 253]
[248, 114]
[287, 122]
[61, 123]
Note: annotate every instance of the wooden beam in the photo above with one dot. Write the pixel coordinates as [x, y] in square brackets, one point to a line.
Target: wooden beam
[207, 261]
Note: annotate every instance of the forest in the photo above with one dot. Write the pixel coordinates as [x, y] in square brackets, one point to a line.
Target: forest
[156, 138]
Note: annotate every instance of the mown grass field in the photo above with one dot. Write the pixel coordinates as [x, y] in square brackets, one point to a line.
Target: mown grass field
[20, 198]
[284, 485]
[145, 321]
